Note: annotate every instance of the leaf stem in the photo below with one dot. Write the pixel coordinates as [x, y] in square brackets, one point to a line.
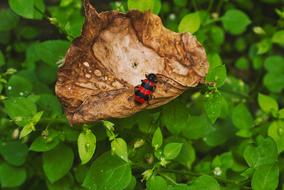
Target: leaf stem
[210, 5]
[169, 179]
[223, 180]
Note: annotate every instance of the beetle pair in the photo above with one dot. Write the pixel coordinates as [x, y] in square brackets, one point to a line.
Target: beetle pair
[144, 91]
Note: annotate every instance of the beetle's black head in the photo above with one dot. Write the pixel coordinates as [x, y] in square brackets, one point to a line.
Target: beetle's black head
[152, 77]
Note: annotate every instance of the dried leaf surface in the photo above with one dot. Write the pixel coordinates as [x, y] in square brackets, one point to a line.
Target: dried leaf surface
[112, 56]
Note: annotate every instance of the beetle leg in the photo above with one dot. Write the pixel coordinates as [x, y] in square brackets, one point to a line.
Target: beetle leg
[136, 88]
[146, 75]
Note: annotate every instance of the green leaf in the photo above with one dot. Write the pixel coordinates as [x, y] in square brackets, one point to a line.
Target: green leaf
[265, 177]
[217, 75]
[245, 133]
[156, 183]
[274, 82]
[214, 60]
[119, 147]
[281, 113]
[19, 86]
[30, 127]
[21, 109]
[157, 6]
[43, 143]
[50, 104]
[174, 116]
[9, 20]
[190, 23]
[51, 51]
[197, 127]
[278, 37]
[66, 183]
[257, 156]
[57, 162]
[217, 35]
[274, 79]
[224, 161]
[204, 182]
[31, 9]
[276, 132]
[141, 5]
[27, 130]
[86, 145]
[213, 105]
[274, 64]
[242, 63]
[242, 118]
[132, 184]
[267, 103]
[14, 152]
[219, 135]
[235, 21]
[172, 150]
[264, 46]
[108, 172]
[187, 154]
[11, 176]
[157, 139]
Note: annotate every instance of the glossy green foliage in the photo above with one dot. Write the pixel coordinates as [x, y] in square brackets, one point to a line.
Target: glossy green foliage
[225, 134]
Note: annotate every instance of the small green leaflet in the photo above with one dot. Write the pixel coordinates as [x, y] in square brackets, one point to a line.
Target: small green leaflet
[235, 21]
[46, 143]
[217, 75]
[267, 103]
[172, 150]
[278, 37]
[119, 147]
[213, 105]
[157, 139]
[86, 145]
[30, 127]
[190, 23]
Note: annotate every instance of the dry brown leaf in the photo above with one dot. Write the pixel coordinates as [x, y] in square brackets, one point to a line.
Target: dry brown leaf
[112, 56]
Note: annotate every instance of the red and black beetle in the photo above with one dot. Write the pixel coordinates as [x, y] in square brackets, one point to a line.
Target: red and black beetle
[144, 91]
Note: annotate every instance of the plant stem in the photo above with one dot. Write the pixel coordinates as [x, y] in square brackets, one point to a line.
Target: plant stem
[223, 180]
[169, 179]
[220, 3]
[210, 5]
[194, 5]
